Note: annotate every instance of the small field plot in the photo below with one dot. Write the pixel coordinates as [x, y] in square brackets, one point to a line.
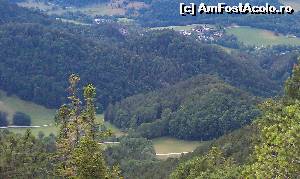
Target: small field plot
[126, 21]
[259, 37]
[42, 119]
[165, 145]
[102, 9]
[39, 114]
[92, 10]
[110, 8]
[46, 130]
[173, 147]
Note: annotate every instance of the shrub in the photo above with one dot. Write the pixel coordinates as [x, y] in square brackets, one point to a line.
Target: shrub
[3, 119]
[21, 119]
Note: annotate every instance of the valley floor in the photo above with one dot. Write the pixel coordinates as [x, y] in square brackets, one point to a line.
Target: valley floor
[42, 120]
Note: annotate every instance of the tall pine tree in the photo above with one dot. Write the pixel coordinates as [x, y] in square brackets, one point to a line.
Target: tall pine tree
[79, 154]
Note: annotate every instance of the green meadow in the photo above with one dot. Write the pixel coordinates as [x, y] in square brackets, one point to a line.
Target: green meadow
[259, 37]
[165, 145]
[39, 114]
[42, 116]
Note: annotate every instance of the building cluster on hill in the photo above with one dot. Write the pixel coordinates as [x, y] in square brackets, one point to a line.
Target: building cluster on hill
[204, 33]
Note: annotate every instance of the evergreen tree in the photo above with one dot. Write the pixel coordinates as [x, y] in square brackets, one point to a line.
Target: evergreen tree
[22, 156]
[78, 153]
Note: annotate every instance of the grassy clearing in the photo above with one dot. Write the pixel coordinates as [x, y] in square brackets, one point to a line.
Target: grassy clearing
[112, 8]
[74, 22]
[46, 130]
[40, 115]
[98, 9]
[93, 10]
[126, 21]
[102, 9]
[165, 145]
[259, 37]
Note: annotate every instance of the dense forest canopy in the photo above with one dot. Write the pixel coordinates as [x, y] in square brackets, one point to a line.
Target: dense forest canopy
[199, 108]
[12, 13]
[150, 83]
[217, 158]
[38, 57]
[276, 150]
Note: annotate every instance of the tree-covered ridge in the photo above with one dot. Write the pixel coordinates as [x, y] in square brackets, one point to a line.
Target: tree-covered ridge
[10, 12]
[191, 58]
[275, 150]
[37, 58]
[199, 108]
[278, 61]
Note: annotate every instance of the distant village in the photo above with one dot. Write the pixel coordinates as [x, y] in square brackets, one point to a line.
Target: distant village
[204, 33]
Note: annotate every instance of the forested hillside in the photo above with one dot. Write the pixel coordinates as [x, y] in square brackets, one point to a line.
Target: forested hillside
[276, 147]
[10, 12]
[200, 108]
[201, 99]
[191, 58]
[36, 59]
[278, 61]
